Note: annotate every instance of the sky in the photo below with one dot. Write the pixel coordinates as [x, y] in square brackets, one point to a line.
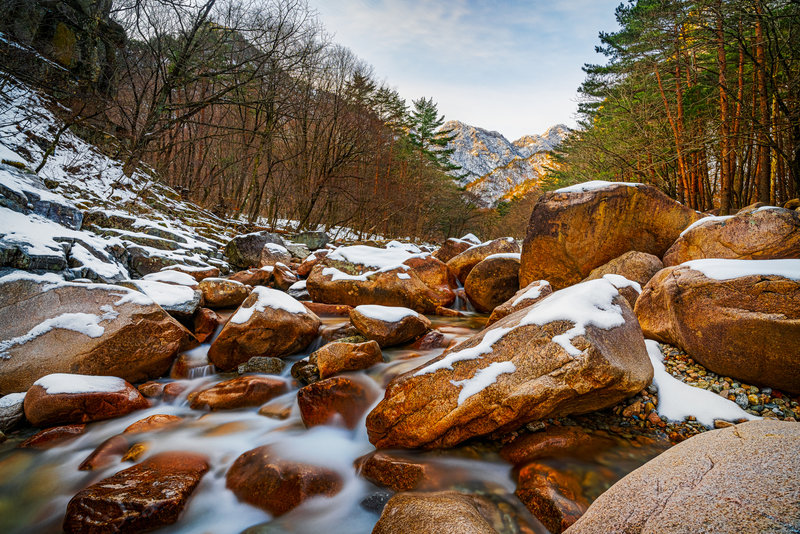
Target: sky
[513, 66]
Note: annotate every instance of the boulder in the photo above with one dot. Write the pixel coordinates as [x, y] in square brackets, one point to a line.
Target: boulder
[244, 251]
[738, 318]
[697, 486]
[298, 290]
[205, 323]
[297, 250]
[759, 234]
[396, 287]
[223, 293]
[50, 437]
[58, 399]
[636, 266]
[577, 229]
[241, 392]
[578, 350]
[525, 297]
[389, 325]
[51, 326]
[172, 276]
[335, 358]
[272, 254]
[398, 472]
[339, 397]
[434, 274]
[260, 478]
[553, 496]
[493, 281]
[555, 441]
[283, 277]
[198, 273]
[461, 264]
[310, 261]
[268, 323]
[141, 498]
[11, 411]
[314, 240]
[253, 277]
[451, 248]
[179, 301]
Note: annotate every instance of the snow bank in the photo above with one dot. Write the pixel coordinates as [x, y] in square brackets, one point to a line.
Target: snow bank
[720, 269]
[59, 383]
[483, 378]
[388, 314]
[380, 258]
[593, 185]
[677, 400]
[267, 298]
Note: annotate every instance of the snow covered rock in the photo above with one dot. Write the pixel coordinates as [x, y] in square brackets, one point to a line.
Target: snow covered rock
[527, 296]
[576, 351]
[577, 229]
[244, 251]
[283, 277]
[639, 267]
[389, 325]
[49, 326]
[461, 264]
[268, 323]
[25, 193]
[172, 276]
[198, 273]
[180, 301]
[434, 274]
[254, 277]
[272, 254]
[338, 357]
[299, 291]
[11, 412]
[758, 234]
[222, 292]
[451, 248]
[493, 281]
[696, 486]
[738, 318]
[59, 399]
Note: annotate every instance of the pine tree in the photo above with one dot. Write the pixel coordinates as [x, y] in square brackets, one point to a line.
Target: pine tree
[427, 134]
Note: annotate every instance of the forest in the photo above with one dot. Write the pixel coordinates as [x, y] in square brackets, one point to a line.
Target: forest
[699, 98]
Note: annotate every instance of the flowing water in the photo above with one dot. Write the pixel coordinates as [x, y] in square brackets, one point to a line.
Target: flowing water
[35, 486]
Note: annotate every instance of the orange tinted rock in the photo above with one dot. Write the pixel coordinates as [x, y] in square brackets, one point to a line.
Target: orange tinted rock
[463, 263]
[50, 437]
[555, 441]
[151, 389]
[389, 325]
[493, 281]
[305, 268]
[760, 234]
[138, 341]
[273, 254]
[393, 471]
[173, 390]
[746, 327]
[445, 402]
[335, 358]
[251, 390]
[283, 277]
[434, 339]
[108, 452]
[253, 277]
[340, 310]
[553, 497]
[434, 274]
[633, 265]
[572, 233]
[222, 292]
[259, 329]
[451, 248]
[198, 273]
[333, 398]
[206, 322]
[47, 409]
[158, 421]
[527, 296]
[139, 499]
[259, 478]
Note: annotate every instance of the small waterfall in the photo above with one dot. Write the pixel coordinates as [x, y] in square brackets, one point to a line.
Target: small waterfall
[462, 303]
[201, 371]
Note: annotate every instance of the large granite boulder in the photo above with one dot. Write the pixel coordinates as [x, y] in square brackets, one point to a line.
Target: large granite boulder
[576, 229]
[738, 318]
[744, 478]
[493, 281]
[268, 323]
[576, 351]
[389, 325]
[51, 326]
[244, 251]
[636, 266]
[758, 234]
[461, 264]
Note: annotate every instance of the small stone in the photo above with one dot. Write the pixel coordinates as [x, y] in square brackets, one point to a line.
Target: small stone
[721, 423]
[752, 399]
[267, 365]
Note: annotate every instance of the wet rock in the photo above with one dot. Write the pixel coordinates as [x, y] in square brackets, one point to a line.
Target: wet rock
[335, 358]
[493, 281]
[266, 365]
[223, 293]
[463, 263]
[527, 296]
[340, 310]
[740, 326]
[11, 411]
[198, 273]
[451, 248]
[205, 324]
[277, 409]
[553, 497]
[434, 274]
[389, 325]
[698, 486]
[91, 329]
[555, 441]
[268, 323]
[107, 453]
[310, 261]
[258, 477]
[575, 231]
[244, 251]
[333, 399]
[532, 365]
[151, 389]
[396, 472]
[305, 372]
[59, 399]
[144, 497]
[152, 423]
[763, 233]
[272, 254]
[395, 287]
[254, 277]
[636, 266]
[434, 339]
[241, 392]
[51, 437]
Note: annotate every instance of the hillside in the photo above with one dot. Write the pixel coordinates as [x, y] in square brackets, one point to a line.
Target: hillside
[495, 168]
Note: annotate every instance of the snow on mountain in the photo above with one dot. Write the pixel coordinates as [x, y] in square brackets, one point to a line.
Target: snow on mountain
[494, 167]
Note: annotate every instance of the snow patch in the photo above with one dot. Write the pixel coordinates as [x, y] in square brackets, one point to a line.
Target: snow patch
[374, 257]
[404, 276]
[87, 324]
[619, 281]
[706, 220]
[163, 294]
[171, 277]
[59, 383]
[505, 255]
[721, 269]
[471, 238]
[388, 314]
[11, 399]
[267, 298]
[483, 378]
[534, 292]
[593, 185]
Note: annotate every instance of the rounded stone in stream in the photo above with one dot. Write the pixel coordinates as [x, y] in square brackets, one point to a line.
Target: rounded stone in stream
[141, 498]
[267, 365]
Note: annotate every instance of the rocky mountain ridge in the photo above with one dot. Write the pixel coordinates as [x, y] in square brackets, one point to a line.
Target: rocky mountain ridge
[495, 168]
